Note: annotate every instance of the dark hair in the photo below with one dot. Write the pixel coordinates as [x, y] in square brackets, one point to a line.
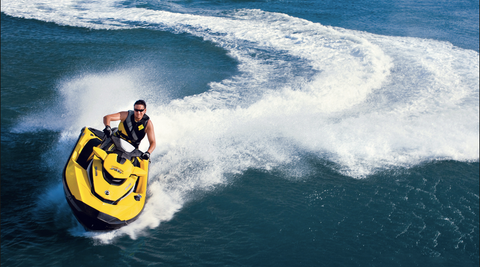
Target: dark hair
[141, 102]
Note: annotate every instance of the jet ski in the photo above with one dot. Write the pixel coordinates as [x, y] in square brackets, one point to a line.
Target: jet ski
[105, 181]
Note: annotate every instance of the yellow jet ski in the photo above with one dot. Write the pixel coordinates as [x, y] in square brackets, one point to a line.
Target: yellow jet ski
[105, 181]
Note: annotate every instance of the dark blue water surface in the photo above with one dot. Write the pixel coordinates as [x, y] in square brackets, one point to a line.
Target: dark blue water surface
[254, 167]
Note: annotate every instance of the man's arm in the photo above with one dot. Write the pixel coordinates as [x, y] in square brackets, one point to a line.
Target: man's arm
[151, 136]
[122, 115]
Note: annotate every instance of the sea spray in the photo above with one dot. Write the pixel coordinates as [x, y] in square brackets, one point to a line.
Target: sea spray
[365, 102]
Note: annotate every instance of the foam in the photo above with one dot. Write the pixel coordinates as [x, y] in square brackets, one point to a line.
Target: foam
[81, 100]
[366, 102]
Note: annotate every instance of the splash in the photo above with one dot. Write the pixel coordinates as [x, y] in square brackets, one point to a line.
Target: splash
[365, 102]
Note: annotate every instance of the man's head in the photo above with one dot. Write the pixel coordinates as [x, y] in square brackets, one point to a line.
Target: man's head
[140, 108]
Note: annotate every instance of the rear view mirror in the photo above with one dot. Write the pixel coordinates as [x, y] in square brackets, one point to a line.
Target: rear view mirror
[100, 153]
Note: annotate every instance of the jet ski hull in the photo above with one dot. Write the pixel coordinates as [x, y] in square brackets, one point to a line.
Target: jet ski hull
[99, 200]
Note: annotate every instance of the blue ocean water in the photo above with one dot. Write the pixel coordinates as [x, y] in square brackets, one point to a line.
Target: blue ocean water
[290, 133]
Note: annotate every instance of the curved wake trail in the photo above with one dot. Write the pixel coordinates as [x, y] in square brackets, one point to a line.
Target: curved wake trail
[366, 102]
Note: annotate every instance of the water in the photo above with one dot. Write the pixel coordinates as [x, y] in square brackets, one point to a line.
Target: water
[297, 133]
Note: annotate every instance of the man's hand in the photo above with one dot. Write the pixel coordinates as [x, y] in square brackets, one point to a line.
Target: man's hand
[146, 155]
[108, 131]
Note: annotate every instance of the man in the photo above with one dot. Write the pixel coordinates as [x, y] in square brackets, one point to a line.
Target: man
[133, 126]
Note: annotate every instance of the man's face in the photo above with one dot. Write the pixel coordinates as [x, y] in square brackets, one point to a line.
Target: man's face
[139, 111]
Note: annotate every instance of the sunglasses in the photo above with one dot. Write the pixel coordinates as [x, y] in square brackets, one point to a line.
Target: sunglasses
[139, 110]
